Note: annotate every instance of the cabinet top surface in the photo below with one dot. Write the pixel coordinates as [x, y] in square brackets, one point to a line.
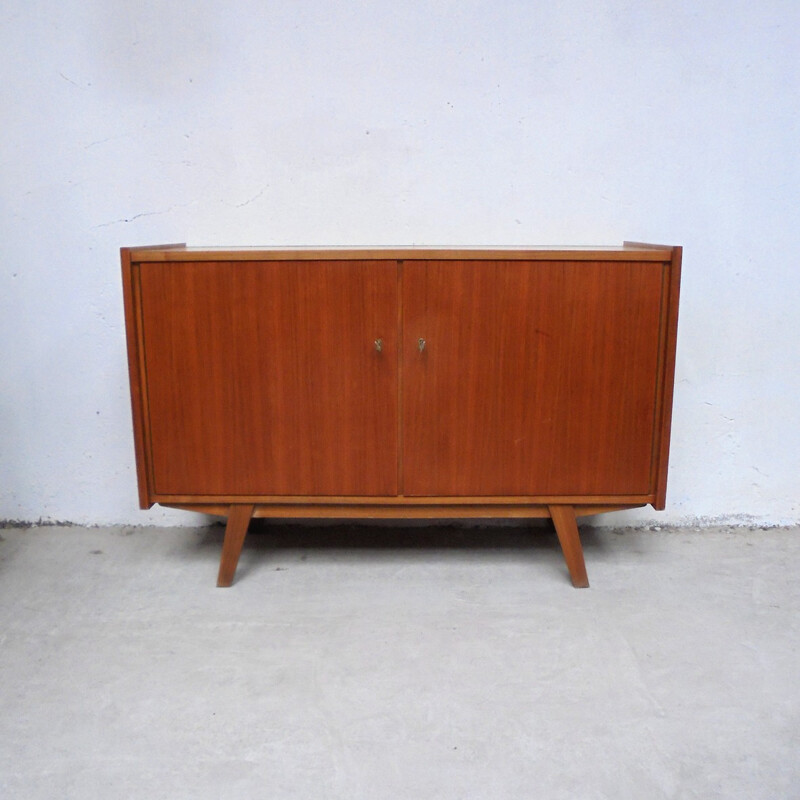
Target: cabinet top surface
[627, 252]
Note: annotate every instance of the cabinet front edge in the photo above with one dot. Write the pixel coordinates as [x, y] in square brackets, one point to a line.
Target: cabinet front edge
[401, 501]
[181, 253]
[396, 512]
[136, 381]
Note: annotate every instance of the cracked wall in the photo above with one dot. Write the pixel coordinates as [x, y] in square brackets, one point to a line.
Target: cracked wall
[391, 123]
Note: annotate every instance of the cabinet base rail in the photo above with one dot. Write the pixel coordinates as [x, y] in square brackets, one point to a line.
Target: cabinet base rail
[564, 518]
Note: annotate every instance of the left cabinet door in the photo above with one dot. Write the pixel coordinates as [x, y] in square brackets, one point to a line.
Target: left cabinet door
[265, 378]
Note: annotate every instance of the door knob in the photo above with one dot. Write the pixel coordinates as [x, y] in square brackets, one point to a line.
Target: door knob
[421, 344]
[379, 345]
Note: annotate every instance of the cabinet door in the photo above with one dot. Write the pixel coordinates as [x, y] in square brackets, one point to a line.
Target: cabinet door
[536, 378]
[264, 378]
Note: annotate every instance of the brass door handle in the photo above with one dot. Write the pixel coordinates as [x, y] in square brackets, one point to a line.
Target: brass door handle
[421, 344]
[379, 345]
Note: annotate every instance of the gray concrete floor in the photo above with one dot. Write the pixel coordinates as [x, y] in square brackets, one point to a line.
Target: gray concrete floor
[358, 662]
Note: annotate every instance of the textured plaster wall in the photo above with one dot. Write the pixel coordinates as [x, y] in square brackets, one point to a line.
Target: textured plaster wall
[468, 123]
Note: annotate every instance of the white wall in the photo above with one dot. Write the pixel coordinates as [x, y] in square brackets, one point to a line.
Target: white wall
[477, 122]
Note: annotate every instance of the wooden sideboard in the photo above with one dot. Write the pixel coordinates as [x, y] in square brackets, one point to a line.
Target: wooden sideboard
[402, 383]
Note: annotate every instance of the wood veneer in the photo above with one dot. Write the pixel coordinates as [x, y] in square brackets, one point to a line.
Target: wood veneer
[263, 377]
[547, 344]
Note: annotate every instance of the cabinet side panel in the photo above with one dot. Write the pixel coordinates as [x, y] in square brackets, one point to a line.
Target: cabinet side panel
[137, 384]
[669, 345]
[272, 378]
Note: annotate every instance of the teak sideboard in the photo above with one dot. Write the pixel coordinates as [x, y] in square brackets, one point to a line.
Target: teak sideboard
[402, 383]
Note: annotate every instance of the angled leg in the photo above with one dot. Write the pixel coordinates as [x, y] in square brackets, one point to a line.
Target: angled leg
[235, 531]
[567, 530]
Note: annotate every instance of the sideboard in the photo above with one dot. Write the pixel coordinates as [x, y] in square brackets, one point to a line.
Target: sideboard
[402, 383]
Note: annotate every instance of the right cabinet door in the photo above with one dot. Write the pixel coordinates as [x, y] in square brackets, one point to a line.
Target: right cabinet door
[529, 377]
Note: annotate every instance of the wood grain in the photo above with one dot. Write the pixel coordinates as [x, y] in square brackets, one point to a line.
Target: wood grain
[626, 253]
[536, 377]
[433, 510]
[567, 530]
[398, 500]
[239, 517]
[667, 376]
[130, 287]
[264, 377]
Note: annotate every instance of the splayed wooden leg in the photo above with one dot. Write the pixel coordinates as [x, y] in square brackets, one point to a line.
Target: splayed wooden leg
[238, 521]
[567, 530]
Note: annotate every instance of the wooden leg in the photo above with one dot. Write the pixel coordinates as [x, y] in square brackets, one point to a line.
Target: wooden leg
[235, 531]
[568, 536]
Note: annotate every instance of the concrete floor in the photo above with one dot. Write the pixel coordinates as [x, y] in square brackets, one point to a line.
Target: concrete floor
[358, 662]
